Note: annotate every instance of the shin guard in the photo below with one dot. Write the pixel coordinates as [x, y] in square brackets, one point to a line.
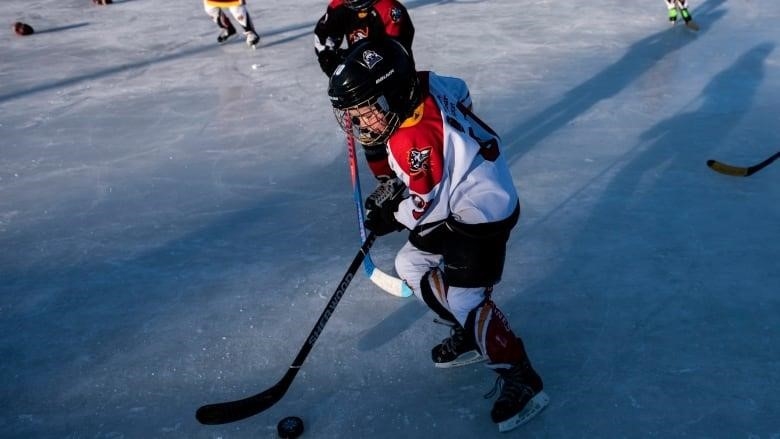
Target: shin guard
[494, 336]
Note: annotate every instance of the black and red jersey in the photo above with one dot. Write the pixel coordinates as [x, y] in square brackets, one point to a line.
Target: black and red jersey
[387, 18]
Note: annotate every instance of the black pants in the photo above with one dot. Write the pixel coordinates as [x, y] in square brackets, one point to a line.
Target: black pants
[473, 254]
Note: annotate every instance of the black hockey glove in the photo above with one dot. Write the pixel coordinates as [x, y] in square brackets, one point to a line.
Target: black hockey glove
[385, 190]
[380, 218]
[329, 59]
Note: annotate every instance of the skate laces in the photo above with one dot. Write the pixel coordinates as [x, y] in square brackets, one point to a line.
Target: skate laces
[452, 342]
[498, 385]
[511, 388]
[456, 338]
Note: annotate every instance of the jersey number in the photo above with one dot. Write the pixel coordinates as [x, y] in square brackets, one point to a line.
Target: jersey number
[487, 139]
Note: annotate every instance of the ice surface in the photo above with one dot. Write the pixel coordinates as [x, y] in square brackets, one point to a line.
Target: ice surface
[173, 221]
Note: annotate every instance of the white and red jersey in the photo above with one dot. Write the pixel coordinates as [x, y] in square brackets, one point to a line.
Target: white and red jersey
[449, 160]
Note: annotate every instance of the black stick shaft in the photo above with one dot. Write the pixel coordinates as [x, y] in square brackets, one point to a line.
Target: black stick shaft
[755, 168]
[231, 411]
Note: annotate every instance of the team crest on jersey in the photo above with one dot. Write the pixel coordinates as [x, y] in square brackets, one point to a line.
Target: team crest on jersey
[419, 161]
[395, 15]
[371, 58]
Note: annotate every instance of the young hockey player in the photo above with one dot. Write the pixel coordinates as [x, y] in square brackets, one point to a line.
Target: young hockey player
[240, 13]
[460, 208]
[681, 6]
[352, 21]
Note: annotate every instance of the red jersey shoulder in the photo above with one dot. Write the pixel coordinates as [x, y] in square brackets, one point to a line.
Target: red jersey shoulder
[419, 146]
[336, 4]
[391, 11]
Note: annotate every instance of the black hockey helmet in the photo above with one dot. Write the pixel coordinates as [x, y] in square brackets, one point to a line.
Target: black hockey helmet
[377, 87]
[359, 5]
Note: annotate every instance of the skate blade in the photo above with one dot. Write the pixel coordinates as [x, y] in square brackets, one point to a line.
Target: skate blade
[534, 406]
[692, 25]
[465, 358]
[254, 45]
[226, 40]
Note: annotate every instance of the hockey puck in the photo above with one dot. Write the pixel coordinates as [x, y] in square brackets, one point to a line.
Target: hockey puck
[22, 29]
[290, 427]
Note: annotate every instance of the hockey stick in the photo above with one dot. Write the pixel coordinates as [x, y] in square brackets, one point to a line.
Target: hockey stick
[740, 171]
[391, 284]
[231, 411]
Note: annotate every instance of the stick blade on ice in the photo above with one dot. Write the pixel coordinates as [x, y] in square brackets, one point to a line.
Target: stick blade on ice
[741, 171]
[231, 411]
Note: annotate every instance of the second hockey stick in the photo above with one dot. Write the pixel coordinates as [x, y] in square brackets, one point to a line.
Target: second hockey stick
[231, 411]
[740, 171]
[390, 284]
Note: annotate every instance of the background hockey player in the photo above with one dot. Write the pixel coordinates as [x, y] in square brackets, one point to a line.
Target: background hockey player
[682, 5]
[349, 21]
[460, 208]
[354, 20]
[240, 13]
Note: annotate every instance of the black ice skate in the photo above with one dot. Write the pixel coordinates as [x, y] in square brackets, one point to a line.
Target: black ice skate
[225, 35]
[521, 396]
[457, 350]
[672, 15]
[251, 39]
[688, 18]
